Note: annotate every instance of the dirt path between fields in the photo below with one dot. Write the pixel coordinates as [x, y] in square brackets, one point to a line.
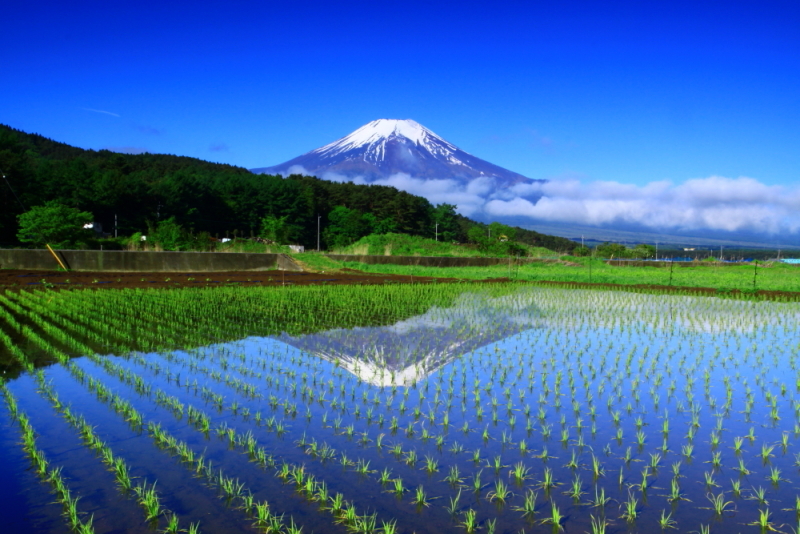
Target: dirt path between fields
[21, 279]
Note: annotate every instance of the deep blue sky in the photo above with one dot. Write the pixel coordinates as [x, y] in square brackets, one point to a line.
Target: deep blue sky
[601, 91]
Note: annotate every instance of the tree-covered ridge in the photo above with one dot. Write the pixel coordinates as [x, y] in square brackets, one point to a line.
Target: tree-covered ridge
[221, 200]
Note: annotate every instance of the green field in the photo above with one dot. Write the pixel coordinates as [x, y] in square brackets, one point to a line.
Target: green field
[772, 277]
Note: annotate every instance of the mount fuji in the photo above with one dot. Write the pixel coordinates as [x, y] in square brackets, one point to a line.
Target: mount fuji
[388, 147]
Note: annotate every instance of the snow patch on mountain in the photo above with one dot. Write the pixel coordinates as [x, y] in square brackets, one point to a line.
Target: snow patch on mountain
[372, 138]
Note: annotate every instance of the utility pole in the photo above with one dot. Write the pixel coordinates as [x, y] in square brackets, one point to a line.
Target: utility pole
[318, 218]
[437, 231]
[656, 250]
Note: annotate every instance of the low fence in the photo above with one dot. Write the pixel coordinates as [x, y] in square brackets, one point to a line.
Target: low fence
[677, 263]
[136, 261]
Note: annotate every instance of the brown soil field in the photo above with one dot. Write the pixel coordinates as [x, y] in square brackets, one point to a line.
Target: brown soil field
[29, 279]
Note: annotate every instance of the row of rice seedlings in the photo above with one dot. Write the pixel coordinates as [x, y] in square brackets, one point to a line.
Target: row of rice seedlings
[44, 469]
[230, 490]
[305, 483]
[229, 487]
[147, 497]
[500, 494]
[205, 304]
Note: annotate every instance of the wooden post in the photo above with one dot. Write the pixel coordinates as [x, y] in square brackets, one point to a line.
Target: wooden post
[53, 252]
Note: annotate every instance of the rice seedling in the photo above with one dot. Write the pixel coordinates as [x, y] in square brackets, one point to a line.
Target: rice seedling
[470, 522]
[398, 488]
[766, 452]
[597, 468]
[528, 507]
[149, 500]
[497, 465]
[598, 525]
[420, 498]
[630, 509]
[453, 506]
[760, 495]
[556, 518]
[763, 522]
[431, 465]
[774, 476]
[576, 489]
[453, 476]
[500, 494]
[547, 482]
[477, 486]
[718, 503]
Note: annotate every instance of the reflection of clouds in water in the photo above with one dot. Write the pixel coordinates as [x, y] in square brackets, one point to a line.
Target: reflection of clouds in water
[412, 349]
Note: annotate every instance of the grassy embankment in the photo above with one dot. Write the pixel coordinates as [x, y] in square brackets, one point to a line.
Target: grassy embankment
[771, 277]
[411, 245]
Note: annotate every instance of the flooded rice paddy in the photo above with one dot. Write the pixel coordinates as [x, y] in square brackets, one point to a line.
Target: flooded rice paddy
[436, 408]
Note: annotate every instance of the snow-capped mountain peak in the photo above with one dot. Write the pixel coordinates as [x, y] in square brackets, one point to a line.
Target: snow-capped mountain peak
[386, 147]
[372, 138]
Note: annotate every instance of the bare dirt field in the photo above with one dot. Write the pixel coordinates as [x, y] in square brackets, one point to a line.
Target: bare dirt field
[21, 279]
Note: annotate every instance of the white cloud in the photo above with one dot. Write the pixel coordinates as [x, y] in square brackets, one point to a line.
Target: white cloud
[714, 203]
[469, 198]
[296, 169]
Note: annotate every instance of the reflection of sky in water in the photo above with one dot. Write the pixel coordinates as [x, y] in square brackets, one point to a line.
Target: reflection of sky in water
[411, 349]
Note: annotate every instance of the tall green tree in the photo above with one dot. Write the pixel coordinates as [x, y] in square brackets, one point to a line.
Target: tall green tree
[611, 250]
[345, 226]
[276, 229]
[445, 221]
[55, 224]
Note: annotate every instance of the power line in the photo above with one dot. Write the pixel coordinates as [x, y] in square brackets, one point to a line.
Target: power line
[12, 191]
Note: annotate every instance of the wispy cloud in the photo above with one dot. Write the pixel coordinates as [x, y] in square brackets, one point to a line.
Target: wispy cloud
[100, 111]
[218, 147]
[127, 149]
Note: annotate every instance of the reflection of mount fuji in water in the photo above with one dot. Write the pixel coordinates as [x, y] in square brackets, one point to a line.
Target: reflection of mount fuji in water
[414, 348]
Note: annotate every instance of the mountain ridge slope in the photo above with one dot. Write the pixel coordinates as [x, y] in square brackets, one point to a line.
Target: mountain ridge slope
[386, 147]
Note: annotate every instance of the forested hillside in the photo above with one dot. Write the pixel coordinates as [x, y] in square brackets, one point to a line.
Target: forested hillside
[222, 200]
